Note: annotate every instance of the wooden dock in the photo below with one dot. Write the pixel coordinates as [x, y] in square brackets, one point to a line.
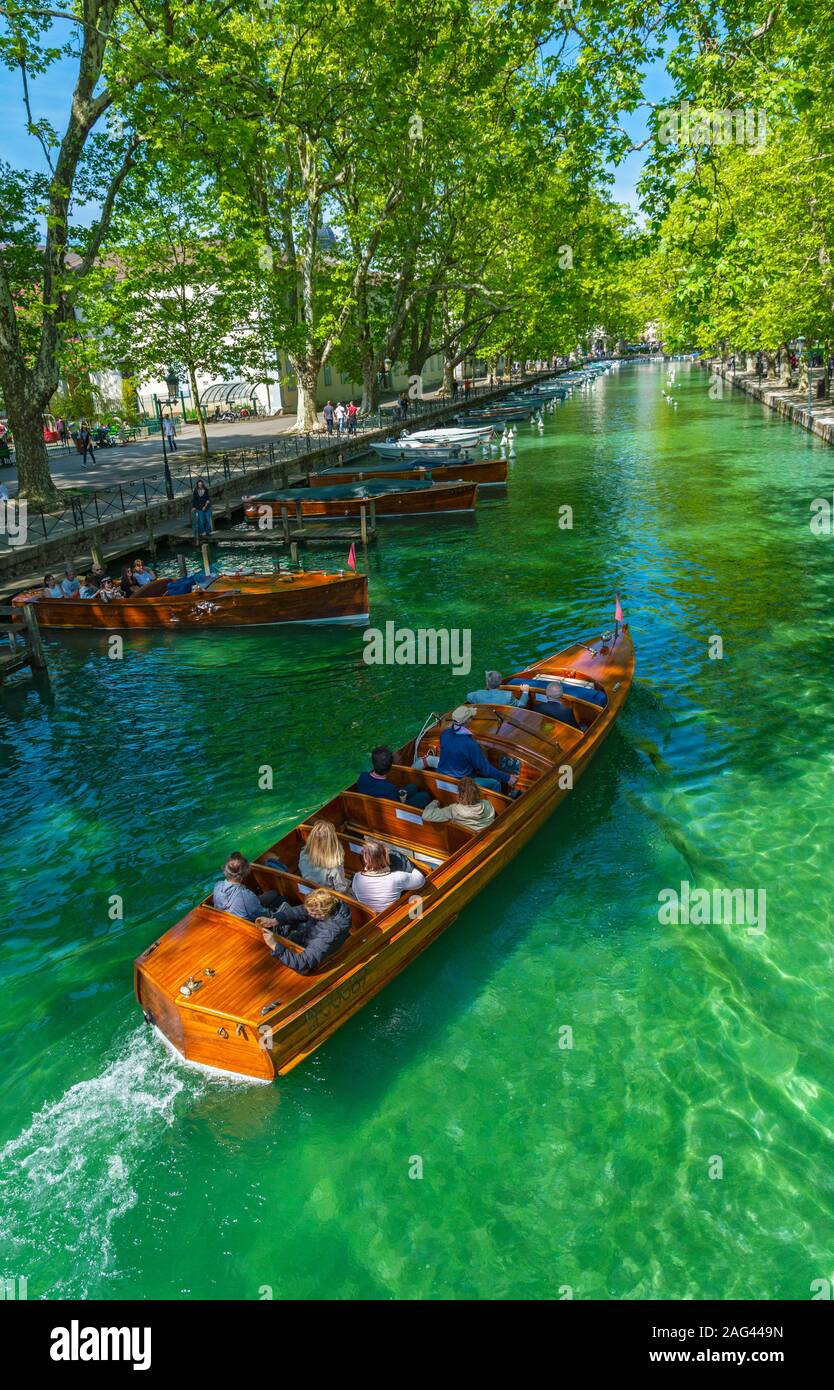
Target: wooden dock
[24, 642]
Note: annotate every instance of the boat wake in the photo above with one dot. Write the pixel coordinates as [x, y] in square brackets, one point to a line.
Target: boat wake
[68, 1178]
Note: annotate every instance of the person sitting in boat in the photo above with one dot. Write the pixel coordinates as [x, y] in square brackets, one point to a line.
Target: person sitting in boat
[109, 590]
[376, 783]
[232, 895]
[322, 860]
[553, 707]
[462, 756]
[127, 584]
[51, 587]
[141, 574]
[495, 696]
[320, 924]
[90, 587]
[70, 586]
[377, 884]
[469, 809]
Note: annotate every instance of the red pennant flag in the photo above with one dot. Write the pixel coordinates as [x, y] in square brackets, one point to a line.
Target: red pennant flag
[352, 557]
[618, 611]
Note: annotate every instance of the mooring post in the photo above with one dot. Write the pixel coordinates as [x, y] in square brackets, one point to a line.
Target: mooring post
[96, 555]
[285, 522]
[373, 515]
[299, 516]
[294, 552]
[204, 551]
[363, 523]
[183, 567]
[151, 538]
[36, 656]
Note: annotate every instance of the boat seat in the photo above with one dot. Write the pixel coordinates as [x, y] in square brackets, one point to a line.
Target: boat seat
[155, 589]
[379, 817]
[441, 786]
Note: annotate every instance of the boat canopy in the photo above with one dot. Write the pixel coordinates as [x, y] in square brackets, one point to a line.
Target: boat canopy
[373, 488]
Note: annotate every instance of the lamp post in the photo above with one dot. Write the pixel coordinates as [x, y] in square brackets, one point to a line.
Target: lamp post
[172, 381]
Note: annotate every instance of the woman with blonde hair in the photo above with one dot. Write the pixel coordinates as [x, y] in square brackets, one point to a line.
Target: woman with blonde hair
[471, 808]
[377, 885]
[322, 859]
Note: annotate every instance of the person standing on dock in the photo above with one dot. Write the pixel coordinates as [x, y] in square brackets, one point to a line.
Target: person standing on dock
[201, 509]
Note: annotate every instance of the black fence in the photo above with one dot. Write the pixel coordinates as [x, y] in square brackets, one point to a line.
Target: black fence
[104, 504]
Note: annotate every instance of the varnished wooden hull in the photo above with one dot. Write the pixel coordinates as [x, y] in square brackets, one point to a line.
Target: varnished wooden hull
[485, 472]
[263, 601]
[445, 497]
[256, 1018]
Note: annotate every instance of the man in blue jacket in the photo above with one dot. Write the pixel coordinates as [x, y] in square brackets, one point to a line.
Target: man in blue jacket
[462, 756]
[554, 708]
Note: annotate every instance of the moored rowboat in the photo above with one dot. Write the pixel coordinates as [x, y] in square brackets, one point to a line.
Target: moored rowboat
[211, 987]
[484, 472]
[228, 600]
[391, 497]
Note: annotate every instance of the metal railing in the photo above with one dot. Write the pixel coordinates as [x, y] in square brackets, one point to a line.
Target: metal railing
[91, 508]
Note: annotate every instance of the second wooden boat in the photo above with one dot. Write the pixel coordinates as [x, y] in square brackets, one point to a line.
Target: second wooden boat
[228, 600]
[484, 472]
[221, 999]
[392, 497]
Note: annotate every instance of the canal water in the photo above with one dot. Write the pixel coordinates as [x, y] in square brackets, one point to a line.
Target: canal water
[600, 1103]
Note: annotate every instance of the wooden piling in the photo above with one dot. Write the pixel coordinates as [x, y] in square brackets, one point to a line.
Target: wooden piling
[96, 555]
[373, 515]
[33, 633]
[204, 551]
[294, 552]
[183, 567]
[285, 522]
[363, 524]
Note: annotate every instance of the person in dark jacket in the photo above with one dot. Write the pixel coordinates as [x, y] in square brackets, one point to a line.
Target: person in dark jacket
[320, 924]
[554, 708]
[201, 508]
[462, 756]
[376, 783]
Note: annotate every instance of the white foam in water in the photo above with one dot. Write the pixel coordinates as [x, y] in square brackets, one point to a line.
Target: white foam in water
[67, 1179]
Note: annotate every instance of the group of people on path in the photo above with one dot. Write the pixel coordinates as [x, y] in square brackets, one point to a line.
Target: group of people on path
[340, 417]
[320, 924]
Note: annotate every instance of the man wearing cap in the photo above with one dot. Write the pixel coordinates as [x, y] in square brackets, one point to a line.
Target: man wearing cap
[494, 696]
[462, 756]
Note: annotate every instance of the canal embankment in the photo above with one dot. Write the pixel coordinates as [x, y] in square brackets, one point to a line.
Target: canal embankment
[788, 401]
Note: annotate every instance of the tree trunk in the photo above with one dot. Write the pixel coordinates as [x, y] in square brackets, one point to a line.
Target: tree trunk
[201, 424]
[771, 365]
[306, 413]
[370, 385]
[785, 366]
[34, 480]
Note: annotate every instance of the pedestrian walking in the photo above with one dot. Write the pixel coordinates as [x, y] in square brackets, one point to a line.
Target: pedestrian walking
[341, 416]
[329, 415]
[85, 443]
[170, 432]
[352, 412]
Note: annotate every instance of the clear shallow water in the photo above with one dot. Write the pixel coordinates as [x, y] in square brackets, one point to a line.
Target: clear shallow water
[124, 1174]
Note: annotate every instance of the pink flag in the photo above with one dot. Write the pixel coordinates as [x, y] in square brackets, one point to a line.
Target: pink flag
[618, 611]
[352, 557]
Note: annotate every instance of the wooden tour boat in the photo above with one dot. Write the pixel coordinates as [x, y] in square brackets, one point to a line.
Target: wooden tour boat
[227, 600]
[484, 472]
[392, 497]
[212, 988]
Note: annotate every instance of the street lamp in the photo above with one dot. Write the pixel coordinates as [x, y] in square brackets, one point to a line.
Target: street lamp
[172, 381]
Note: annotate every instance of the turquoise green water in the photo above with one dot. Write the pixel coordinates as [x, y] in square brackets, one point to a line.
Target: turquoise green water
[122, 1173]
